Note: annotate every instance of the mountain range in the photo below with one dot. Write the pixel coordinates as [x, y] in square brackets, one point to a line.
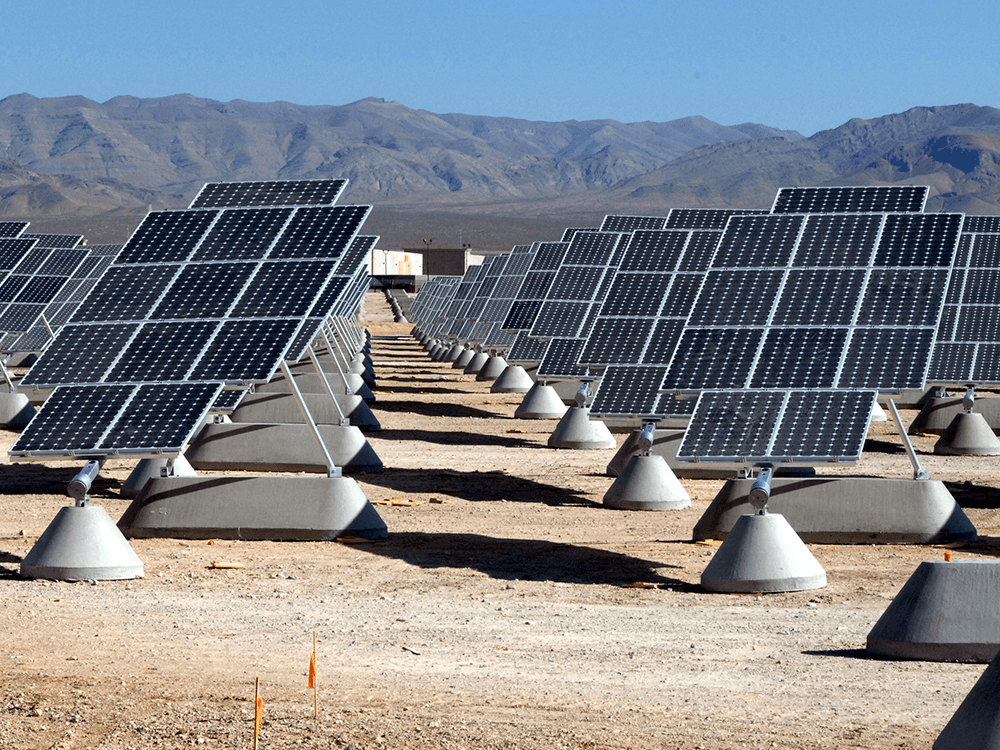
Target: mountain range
[74, 156]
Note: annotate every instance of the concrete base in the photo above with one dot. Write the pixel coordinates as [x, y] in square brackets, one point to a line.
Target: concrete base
[878, 413]
[309, 381]
[149, 468]
[282, 408]
[512, 380]
[577, 431]
[280, 447]
[567, 390]
[289, 508]
[647, 484]
[937, 414]
[665, 444]
[541, 402]
[82, 543]
[946, 611]
[474, 365]
[976, 723]
[16, 410]
[848, 510]
[762, 554]
[452, 354]
[493, 369]
[968, 435]
[463, 359]
[19, 360]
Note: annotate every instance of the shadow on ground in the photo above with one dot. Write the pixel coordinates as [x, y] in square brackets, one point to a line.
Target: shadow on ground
[454, 411]
[475, 486]
[456, 438]
[525, 559]
[843, 653]
[969, 495]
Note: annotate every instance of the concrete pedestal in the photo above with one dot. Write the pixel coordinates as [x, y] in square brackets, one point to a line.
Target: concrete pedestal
[463, 359]
[540, 402]
[474, 365]
[937, 414]
[946, 611]
[150, 468]
[762, 554]
[280, 447]
[968, 435]
[82, 543]
[512, 380]
[16, 410]
[492, 369]
[848, 510]
[282, 408]
[288, 508]
[577, 431]
[647, 483]
[976, 723]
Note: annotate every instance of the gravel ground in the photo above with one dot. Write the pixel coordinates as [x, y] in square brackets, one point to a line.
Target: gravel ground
[499, 613]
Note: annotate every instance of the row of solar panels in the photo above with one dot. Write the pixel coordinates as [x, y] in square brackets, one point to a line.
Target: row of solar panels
[836, 289]
[198, 300]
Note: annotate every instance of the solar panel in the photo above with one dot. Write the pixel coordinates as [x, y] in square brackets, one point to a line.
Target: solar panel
[54, 240]
[641, 319]
[571, 232]
[151, 320]
[83, 275]
[590, 259]
[705, 218]
[619, 223]
[773, 426]
[115, 419]
[967, 350]
[759, 326]
[12, 228]
[269, 193]
[872, 199]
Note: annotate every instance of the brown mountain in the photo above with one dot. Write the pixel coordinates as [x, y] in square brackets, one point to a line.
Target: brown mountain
[391, 153]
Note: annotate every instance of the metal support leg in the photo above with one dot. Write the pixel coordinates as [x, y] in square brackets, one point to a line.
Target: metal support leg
[331, 469]
[326, 384]
[918, 471]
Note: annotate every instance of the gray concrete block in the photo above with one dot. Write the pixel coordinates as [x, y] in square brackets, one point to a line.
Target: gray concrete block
[289, 508]
[282, 408]
[847, 510]
[280, 447]
[946, 611]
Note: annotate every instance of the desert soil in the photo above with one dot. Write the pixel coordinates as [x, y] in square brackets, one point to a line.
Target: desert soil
[499, 613]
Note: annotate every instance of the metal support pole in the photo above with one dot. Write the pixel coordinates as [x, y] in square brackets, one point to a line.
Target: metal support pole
[918, 471]
[326, 384]
[329, 347]
[331, 469]
[645, 442]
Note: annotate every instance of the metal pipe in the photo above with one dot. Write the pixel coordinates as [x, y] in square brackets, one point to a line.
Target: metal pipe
[918, 471]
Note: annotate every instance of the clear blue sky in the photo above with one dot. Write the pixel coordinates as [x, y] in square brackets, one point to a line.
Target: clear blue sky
[806, 65]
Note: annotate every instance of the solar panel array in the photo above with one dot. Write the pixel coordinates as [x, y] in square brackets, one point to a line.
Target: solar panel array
[520, 318]
[196, 298]
[968, 339]
[818, 301]
[63, 241]
[33, 284]
[269, 193]
[641, 319]
[568, 312]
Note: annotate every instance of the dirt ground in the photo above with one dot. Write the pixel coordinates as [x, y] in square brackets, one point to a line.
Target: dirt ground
[498, 613]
